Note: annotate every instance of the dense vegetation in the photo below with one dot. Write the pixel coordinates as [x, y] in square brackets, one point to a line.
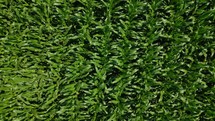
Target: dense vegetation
[107, 60]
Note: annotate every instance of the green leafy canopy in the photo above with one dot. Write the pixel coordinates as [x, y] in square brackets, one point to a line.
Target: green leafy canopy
[107, 60]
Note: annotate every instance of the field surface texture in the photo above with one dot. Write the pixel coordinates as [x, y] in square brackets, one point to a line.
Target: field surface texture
[107, 60]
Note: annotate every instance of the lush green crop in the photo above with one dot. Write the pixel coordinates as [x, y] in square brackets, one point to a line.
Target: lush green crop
[107, 60]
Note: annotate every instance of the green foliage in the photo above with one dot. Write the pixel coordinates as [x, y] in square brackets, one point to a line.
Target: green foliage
[107, 60]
